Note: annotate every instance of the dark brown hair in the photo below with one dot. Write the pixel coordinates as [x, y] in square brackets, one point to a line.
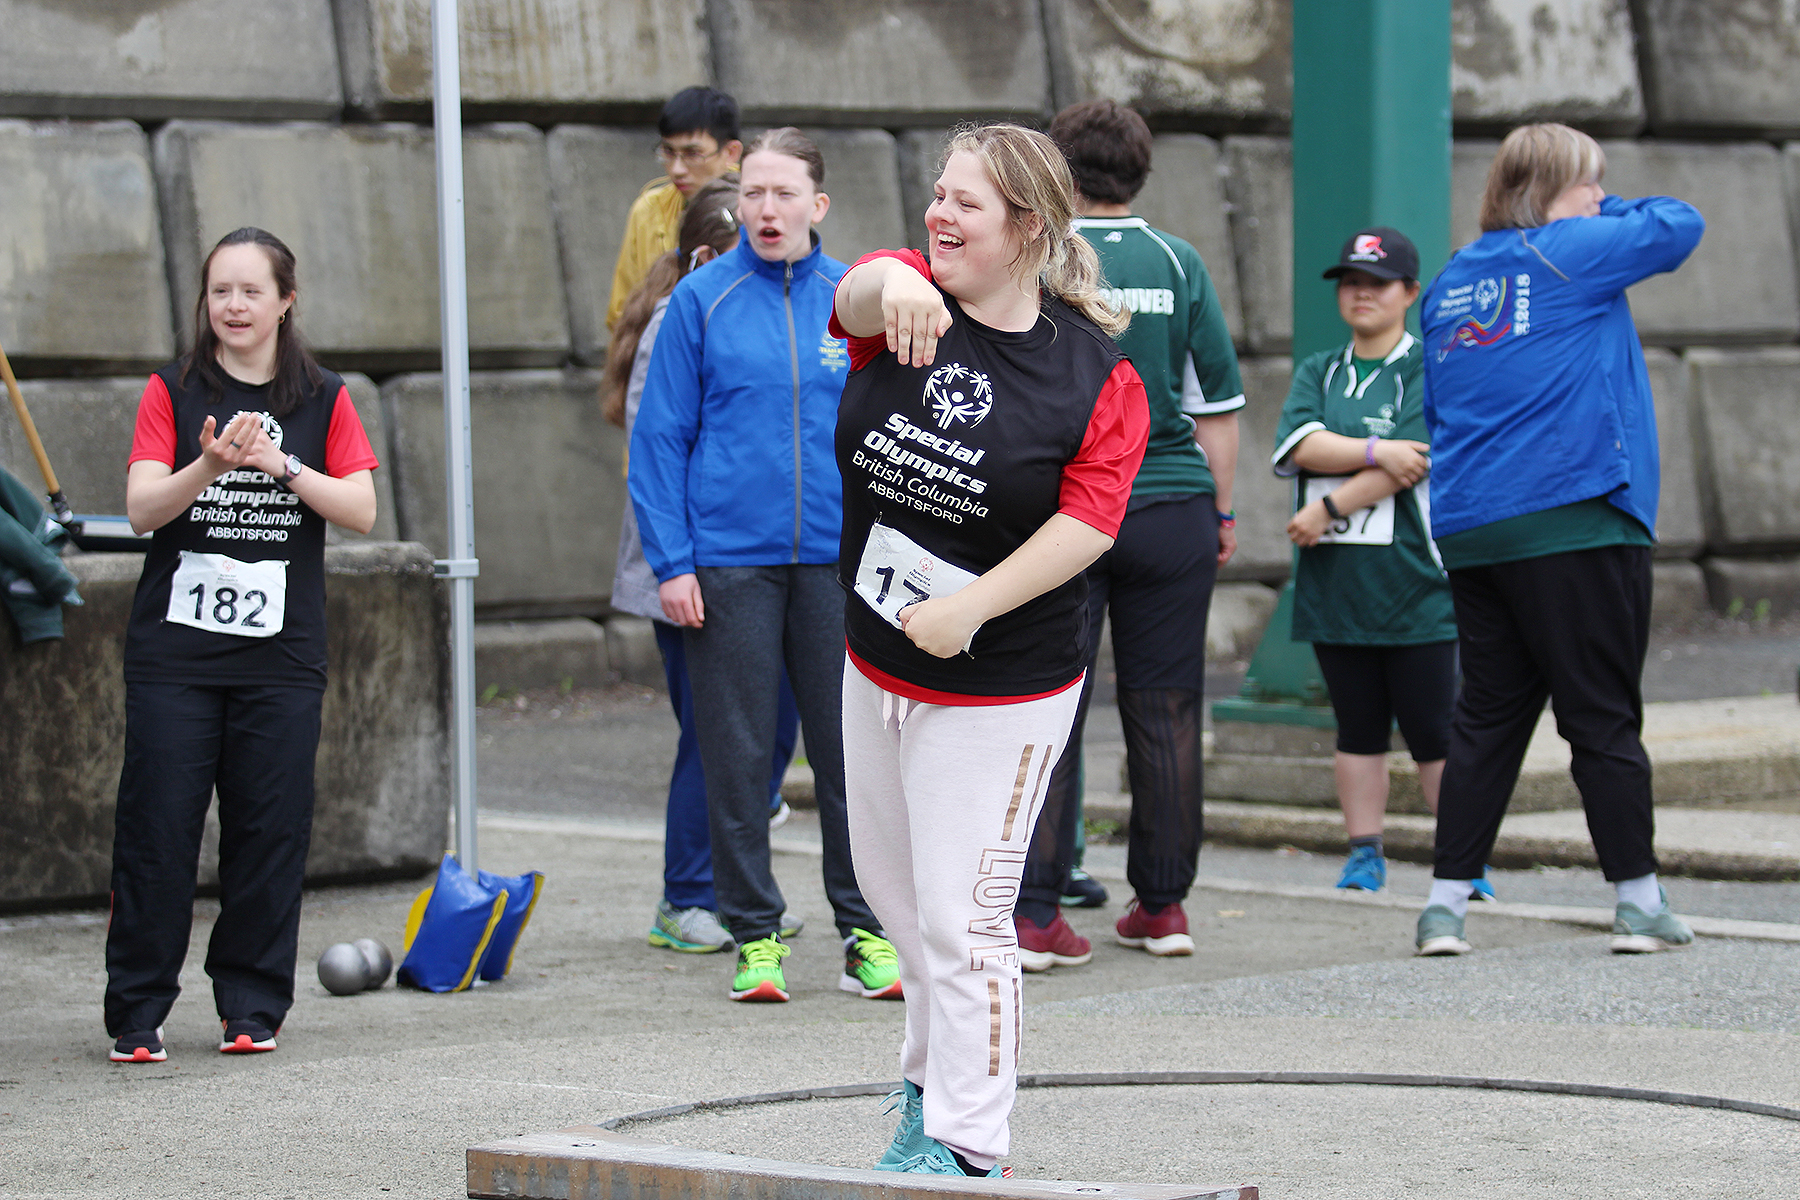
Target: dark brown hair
[1108, 148]
[791, 142]
[296, 372]
[710, 219]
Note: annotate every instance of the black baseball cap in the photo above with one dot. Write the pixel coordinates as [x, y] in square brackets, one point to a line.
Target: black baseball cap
[1383, 252]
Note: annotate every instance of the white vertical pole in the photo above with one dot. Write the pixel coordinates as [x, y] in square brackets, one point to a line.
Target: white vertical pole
[453, 301]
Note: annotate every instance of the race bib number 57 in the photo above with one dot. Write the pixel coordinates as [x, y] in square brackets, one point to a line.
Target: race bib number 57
[896, 571]
[218, 593]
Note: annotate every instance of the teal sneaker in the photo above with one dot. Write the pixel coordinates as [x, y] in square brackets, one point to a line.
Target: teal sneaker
[689, 930]
[1440, 932]
[1637, 932]
[1366, 871]
[759, 976]
[871, 968]
[909, 1138]
[936, 1159]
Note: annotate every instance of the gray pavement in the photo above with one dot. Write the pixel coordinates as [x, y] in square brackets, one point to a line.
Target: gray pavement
[379, 1094]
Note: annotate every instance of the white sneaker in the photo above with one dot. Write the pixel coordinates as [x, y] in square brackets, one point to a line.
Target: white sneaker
[691, 930]
[779, 816]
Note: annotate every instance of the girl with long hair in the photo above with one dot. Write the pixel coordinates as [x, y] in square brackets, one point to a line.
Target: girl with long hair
[245, 448]
[988, 437]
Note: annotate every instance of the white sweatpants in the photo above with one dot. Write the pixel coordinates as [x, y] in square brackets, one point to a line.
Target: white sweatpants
[942, 800]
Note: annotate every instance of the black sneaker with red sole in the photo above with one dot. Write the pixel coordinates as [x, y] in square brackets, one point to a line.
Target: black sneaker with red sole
[144, 1045]
[244, 1036]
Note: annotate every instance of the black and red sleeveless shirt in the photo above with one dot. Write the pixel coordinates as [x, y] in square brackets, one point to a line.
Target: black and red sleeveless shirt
[968, 458]
[244, 514]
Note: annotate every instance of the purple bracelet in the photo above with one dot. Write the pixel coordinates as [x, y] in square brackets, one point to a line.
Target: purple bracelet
[1369, 450]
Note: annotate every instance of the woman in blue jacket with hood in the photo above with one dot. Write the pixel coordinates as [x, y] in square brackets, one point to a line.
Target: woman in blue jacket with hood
[1544, 489]
[734, 481]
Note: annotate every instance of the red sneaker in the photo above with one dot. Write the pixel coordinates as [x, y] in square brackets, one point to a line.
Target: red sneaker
[1054, 945]
[1164, 934]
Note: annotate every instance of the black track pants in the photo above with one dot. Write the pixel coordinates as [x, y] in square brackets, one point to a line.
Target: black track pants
[256, 744]
[1574, 628]
[1158, 581]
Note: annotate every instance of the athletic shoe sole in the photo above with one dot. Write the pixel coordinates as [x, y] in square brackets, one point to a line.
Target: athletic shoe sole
[1170, 946]
[763, 993]
[1439, 947]
[243, 1044]
[1042, 960]
[140, 1054]
[663, 941]
[1642, 943]
[850, 983]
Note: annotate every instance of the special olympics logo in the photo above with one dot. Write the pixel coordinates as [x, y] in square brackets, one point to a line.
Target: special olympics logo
[1487, 294]
[270, 425]
[957, 394]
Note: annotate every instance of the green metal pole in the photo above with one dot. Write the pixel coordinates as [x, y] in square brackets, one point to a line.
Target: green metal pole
[1371, 139]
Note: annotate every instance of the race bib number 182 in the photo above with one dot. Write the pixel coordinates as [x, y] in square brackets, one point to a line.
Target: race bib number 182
[896, 571]
[218, 593]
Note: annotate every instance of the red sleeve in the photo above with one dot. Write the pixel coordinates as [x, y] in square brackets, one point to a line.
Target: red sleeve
[1097, 482]
[154, 438]
[347, 447]
[864, 349]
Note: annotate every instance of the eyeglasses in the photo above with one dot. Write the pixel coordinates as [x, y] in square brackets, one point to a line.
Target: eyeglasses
[693, 156]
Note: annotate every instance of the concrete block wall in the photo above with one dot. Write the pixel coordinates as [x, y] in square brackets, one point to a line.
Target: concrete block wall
[118, 170]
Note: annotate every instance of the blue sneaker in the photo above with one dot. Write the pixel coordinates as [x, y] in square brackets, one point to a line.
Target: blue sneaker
[1637, 932]
[909, 1138]
[936, 1159]
[1366, 870]
[1440, 932]
[1484, 887]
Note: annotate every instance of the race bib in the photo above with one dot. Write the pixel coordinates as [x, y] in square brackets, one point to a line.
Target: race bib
[1371, 526]
[896, 571]
[218, 593]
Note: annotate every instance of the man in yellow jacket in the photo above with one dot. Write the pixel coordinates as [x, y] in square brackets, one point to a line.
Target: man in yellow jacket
[699, 128]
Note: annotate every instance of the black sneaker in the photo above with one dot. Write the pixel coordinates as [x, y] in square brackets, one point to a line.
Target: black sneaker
[143, 1046]
[1084, 891]
[244, 1036]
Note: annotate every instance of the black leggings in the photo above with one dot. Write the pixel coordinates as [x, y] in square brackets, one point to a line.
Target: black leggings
[1374, 686]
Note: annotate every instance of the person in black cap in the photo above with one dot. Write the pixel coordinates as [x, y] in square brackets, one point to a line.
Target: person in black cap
[1369, 590]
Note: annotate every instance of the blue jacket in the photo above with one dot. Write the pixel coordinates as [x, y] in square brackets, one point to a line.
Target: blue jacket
[1535, 389]
[732, 463]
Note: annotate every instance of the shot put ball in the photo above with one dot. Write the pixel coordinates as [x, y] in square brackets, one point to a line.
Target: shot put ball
[343, 969]
[381, 963]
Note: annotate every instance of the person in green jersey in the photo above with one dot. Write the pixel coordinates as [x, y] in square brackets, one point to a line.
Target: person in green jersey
[1157, 580]
[1370, 593]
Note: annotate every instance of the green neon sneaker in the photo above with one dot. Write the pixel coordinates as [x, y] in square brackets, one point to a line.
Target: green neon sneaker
[909, 1138]
[759, 975]
[871, 968]
[1637, 932]
[1440, 932]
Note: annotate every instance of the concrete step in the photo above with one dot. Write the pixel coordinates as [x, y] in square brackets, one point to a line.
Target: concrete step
[1735, 752]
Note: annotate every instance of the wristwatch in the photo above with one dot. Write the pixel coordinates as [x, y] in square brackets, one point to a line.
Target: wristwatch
[294, 467]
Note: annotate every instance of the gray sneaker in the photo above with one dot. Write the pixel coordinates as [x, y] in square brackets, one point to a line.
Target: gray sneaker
[690, 930]
[1440, 932]
[1637, 932]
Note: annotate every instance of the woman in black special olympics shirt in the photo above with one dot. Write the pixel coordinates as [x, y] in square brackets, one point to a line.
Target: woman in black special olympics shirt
[244, 449]
[988, 437]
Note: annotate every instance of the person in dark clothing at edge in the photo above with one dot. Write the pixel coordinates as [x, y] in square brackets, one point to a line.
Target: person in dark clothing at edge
[739, 507]
[1158, 577]
[244, 449]
[1544, 492]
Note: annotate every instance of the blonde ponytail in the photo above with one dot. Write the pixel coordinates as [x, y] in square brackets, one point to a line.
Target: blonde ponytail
[1033, 177]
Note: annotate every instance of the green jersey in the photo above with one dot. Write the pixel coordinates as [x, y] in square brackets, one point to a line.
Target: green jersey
[1583, 525]
[1178, 342]
[1376, 580]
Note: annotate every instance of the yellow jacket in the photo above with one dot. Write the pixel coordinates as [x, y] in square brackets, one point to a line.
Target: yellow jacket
[652, 228]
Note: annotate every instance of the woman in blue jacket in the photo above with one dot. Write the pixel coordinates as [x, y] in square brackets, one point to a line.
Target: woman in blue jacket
[734, 481]
[1544, 491]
